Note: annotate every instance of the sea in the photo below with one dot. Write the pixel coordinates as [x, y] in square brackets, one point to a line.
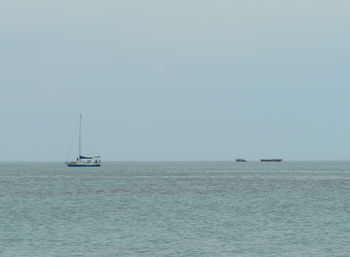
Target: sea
[175, 209]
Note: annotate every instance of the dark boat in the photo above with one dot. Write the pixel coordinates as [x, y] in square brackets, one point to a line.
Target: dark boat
[271, 160]
[241, 160]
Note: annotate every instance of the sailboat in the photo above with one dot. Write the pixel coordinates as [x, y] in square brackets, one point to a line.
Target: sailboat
[84, 161]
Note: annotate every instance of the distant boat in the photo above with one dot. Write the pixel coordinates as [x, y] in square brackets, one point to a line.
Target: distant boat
[84, 161]
[241, 160]
[271, 160]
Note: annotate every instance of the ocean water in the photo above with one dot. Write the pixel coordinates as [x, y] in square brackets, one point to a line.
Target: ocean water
[175, 209]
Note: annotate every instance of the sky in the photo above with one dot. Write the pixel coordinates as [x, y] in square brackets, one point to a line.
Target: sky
[192, 80]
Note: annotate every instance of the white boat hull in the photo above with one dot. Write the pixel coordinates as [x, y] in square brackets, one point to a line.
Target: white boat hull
[82, 164]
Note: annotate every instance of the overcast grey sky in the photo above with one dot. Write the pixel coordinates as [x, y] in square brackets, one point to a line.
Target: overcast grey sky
[175, 80]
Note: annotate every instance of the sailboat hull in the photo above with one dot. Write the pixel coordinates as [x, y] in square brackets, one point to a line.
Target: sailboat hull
[76, 164]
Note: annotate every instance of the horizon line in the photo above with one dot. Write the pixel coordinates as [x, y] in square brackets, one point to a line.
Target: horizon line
[36, 161]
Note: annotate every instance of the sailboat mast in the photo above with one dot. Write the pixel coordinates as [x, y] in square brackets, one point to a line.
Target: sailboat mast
[80, 136]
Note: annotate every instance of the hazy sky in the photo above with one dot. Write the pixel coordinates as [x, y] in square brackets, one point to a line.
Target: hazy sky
[175, 80]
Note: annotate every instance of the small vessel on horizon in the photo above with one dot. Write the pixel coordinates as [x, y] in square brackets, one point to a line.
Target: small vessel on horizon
[84, 161]
[271, 160]
[241, 160]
